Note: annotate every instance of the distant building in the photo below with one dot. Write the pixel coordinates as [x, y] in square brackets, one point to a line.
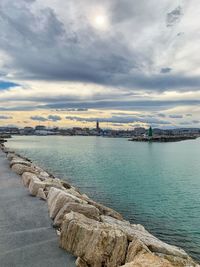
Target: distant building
[28, 130]
[40, 128]
[9, 130]
[138, 131]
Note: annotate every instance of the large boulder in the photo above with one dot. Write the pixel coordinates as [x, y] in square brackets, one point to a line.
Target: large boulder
[34, 185]
[43, 175]
[97, 244]
[85, 209]
[134, 231]
[21, 168]
[149, 260]
[10, 156]
[7, 150]
[19, 161]
[60, 199]
[52, 194]
[105, 210]
[27, 177]
[135, 248]
[41, 194]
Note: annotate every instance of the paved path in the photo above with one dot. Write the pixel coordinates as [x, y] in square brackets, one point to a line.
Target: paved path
[26, 236]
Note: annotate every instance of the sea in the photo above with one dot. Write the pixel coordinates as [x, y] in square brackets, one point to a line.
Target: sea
[153, 184]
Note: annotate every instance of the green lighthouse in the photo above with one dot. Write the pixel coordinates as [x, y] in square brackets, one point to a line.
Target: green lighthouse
[150, 132]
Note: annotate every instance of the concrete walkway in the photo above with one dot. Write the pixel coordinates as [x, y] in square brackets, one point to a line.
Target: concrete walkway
[26, 236]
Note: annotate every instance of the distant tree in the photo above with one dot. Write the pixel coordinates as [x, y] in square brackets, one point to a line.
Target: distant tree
[150, 132]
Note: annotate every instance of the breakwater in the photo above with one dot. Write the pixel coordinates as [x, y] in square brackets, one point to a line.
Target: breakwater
[97, 235]
[163, 138]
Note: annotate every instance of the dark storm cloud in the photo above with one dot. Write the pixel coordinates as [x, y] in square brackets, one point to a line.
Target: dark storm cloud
[43, 48]
[161, 115]
[73, 109]
[53, 118]
[125, 105]
[118, 119]
[38, 118]
[176, 116]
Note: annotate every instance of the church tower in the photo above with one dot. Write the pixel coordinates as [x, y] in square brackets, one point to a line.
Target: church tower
[97, 126]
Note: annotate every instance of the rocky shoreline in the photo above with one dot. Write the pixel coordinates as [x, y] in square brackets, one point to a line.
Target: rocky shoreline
[97, 235]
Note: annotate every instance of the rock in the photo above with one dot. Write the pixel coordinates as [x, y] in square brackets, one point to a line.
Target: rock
[59, 201]
[52, 194]
[21, 168]
[134, 231]
[7, 150]
[10, 156]
[41, 194]
[58, 232]
[66, 185]
[180, 262]
[149, 260]
[135, 248]
[81, 263]
[96, 243]
[27, 177]
[43, 175]
[53, 182]
[34, 185]
[105, 210]
[19, 161]
[74, 193]
[85, 209]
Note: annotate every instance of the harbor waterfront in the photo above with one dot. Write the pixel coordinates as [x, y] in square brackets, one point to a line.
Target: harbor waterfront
[157, 185]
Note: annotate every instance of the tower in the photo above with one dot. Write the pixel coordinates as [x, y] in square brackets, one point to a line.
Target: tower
[97, 126]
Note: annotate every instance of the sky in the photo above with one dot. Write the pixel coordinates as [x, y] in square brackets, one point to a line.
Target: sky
[127, 63]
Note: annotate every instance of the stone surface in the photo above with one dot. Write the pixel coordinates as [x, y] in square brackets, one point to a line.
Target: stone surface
[135, 248]
[41, 194]
[105, 210]
[34, 185]
[59, 201]
[85, 209]
[19, 161]
[21, 168]
[43, 175]
[98, 244]
[137, 231]
[53, 192]
[27, 177]
[180, 262]
[81, 263]
[149, 260]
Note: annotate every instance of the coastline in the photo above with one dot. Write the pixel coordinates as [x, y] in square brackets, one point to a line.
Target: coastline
[76, 215]
[163, 138]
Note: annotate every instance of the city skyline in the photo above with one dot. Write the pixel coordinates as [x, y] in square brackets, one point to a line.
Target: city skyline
[127, 64]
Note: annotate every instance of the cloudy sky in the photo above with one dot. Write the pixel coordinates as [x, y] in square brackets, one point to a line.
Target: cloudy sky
[127, 63]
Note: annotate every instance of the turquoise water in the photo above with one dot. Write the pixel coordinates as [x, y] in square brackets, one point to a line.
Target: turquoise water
[155, 184]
